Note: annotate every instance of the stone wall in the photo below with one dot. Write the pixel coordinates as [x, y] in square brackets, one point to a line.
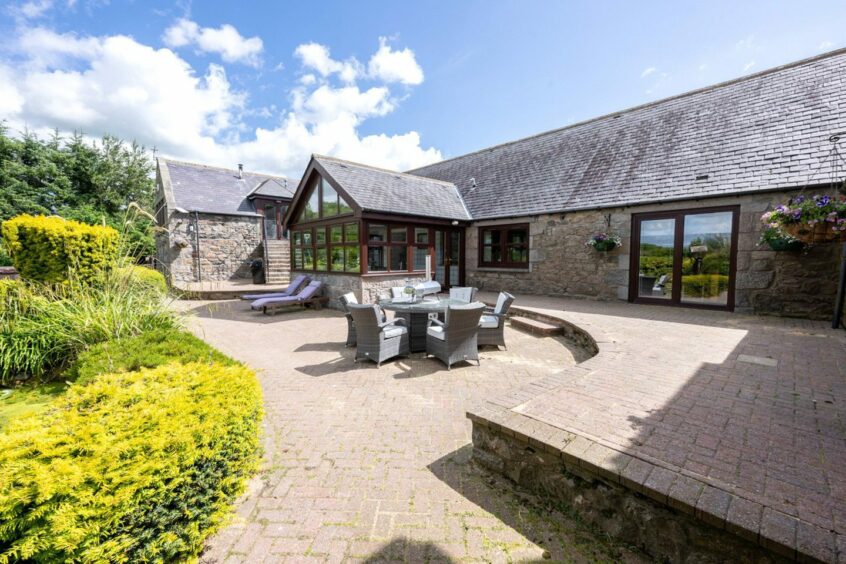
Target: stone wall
[789, 284]
[367, 289]
[226, 246]
[662, 532]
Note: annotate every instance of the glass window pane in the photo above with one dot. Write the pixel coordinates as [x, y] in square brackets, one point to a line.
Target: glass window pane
[399, 234]
[351, 232]
[378, 232]
[491, 236]
[352, 259]
[491, 255]
[706, 258]
[308, 259]
[343, 206]
[336, 235]
[420, 254]
[399, 257]
[298, 238]
[421, 235]
[518, 254]
[297, 258]
[320, 235]
[307, 238]
[320, 259]
[377, 259]
[657, 241]
[330, 200]
[337, 258]
[517, 236]
[312, 205]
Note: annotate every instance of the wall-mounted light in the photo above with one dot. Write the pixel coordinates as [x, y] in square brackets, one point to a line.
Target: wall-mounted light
[455, 222]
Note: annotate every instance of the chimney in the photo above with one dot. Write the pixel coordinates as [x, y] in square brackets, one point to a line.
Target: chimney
[240, 170]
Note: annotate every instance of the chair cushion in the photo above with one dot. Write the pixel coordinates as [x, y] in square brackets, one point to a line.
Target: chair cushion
[436, 331]
[500, 302]
[394, 332]
[489, 322]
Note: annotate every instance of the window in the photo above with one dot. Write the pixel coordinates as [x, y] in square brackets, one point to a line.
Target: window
[397, 248]
[323, 201]
[332, 248]
[504, 246]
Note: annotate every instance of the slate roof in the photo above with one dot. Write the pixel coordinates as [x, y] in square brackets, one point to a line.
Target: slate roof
[766, 131]
[209, 189]
[378, 190]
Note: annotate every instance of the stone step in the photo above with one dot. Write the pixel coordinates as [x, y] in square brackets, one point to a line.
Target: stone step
[536, 326]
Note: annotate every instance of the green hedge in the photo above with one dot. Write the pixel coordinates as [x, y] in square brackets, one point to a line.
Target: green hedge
[47, 248]
[152, 279]
[147, 350]
[704, 285]
[133, 467]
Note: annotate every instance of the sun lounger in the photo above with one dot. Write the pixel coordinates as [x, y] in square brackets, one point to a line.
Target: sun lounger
[292, 288]
[308, 296]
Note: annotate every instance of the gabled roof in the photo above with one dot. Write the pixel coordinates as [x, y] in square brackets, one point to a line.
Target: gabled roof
[766, 131]
[377, 190]
[208, 189]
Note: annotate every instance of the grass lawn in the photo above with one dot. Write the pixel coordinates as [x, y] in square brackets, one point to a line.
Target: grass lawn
[27, 399]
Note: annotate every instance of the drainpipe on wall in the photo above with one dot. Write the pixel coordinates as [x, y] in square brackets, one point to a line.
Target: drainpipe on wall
[197, 244]
[841, 291]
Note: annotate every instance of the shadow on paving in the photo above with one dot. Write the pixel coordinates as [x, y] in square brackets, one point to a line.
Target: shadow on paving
[402, 549]
[235, 309]
[563, 536]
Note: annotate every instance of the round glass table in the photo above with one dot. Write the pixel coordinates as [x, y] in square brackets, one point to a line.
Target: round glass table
[417, 315]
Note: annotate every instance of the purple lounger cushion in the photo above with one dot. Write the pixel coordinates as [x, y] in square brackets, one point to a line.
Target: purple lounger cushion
[307, 293]
[292, 288]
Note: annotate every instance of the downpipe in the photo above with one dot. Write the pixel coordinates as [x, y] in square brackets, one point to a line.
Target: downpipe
[197, 244]
[841, 292]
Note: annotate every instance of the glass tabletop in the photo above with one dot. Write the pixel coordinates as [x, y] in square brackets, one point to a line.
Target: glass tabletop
[399, 304]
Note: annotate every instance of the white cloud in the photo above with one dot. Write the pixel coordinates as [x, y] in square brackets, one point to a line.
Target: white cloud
[114, 84]
[317, 57]
[394, 66]
[224, 40]
[748, 66]
[647, 71]
[826, 45]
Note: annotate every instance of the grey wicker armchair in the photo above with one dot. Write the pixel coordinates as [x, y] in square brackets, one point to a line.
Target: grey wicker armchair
[455, 339]
[462, 294]
[492, 323]
[376, 339]
[346, 300]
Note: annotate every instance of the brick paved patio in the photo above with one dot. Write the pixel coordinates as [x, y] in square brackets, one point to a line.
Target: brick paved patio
[367, 464]
[737, 420]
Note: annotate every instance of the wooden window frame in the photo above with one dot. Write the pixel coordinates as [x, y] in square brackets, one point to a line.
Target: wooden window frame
[504, 246]
[410, 244]
[317, 186]
[328, 245]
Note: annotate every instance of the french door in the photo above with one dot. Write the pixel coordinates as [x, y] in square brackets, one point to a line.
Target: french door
[685, 257]
[449, 253]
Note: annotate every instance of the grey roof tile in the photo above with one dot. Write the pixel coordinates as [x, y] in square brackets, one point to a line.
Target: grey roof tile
[210, 189]
[380, 190]
[765, 131]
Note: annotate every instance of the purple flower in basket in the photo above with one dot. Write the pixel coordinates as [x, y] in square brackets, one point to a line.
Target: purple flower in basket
[798, 199]
[822, 201]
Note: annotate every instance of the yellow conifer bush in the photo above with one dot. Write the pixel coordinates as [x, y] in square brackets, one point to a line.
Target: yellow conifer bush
[46, 248]
[133, 467]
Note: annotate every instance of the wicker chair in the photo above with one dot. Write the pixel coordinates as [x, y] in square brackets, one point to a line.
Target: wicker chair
[492, 323]
[376, 339]
[462, 294]
[346, 300]
[455, 340]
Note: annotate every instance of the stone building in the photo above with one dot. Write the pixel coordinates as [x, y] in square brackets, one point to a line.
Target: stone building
[216, 221]
[682, 182]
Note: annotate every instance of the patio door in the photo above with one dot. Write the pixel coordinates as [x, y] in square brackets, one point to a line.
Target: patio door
[685, 257]
[449, 253]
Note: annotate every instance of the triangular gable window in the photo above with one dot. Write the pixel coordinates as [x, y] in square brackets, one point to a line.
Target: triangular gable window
[322, 200]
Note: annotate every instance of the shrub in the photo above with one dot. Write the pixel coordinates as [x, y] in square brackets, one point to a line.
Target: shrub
[147, 350]
[47, 248]
[42, 328]
[704, 285]
[656, 266]
[153, 279]
[133, 467]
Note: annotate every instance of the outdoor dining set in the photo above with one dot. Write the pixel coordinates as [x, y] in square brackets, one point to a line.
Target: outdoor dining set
[449, 328]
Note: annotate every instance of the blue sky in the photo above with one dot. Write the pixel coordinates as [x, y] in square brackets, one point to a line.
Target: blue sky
[396, 84]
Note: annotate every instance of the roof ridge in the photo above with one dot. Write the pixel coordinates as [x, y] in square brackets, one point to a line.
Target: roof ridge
[380, 169]
[686, 94]
[224, 169]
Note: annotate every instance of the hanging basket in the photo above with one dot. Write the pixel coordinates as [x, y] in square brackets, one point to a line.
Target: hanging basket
[605, 246]
[819, 233]
[782, 245]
